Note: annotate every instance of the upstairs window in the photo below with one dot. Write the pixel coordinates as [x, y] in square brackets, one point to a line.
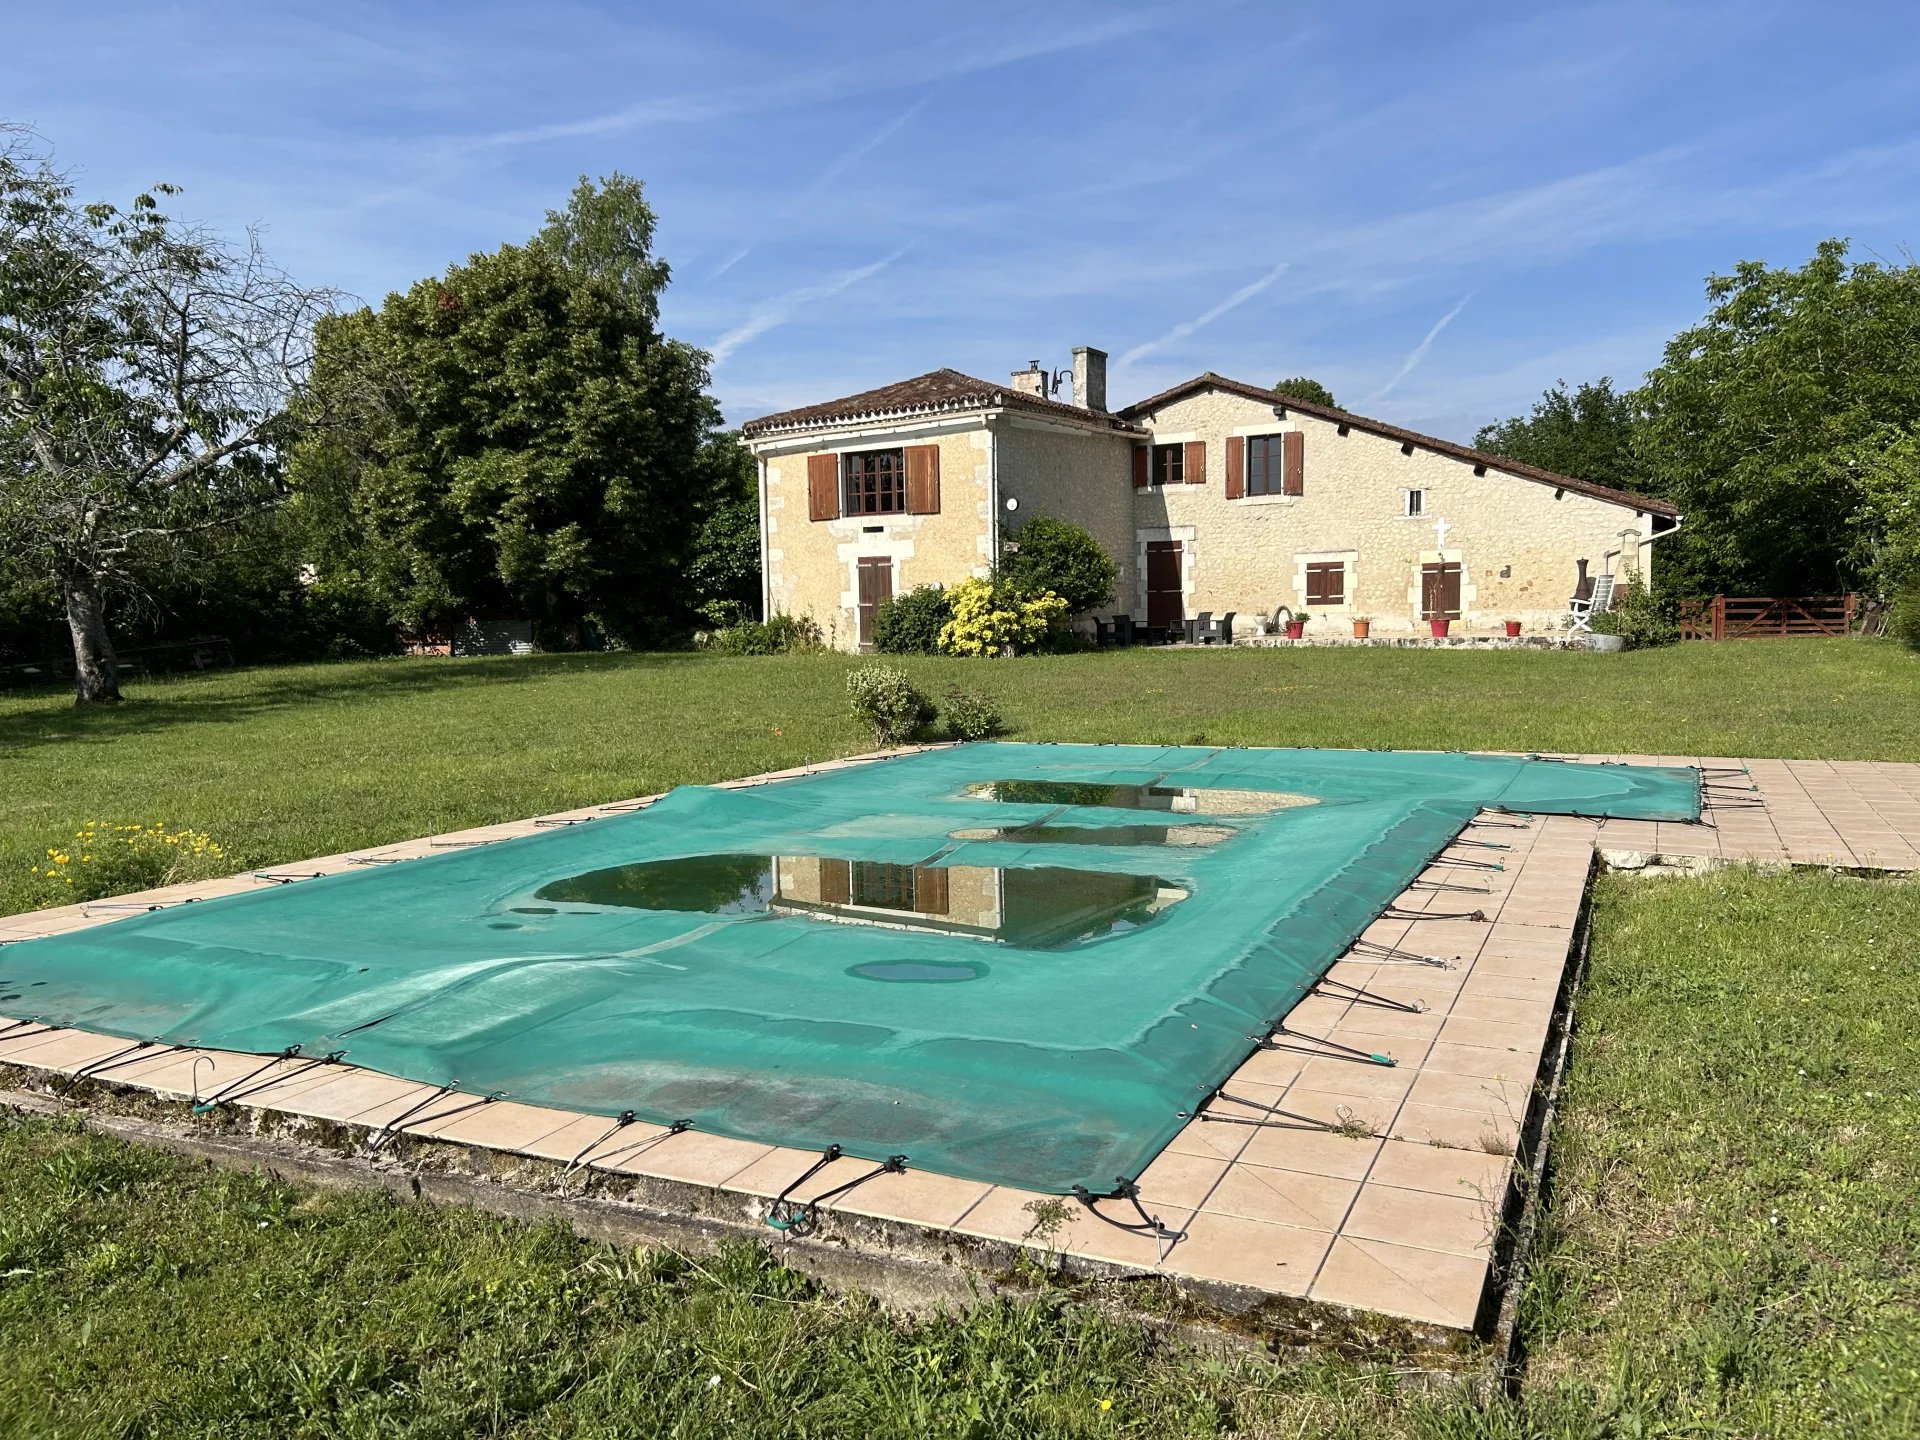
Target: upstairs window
[1416, 503]
[1169, 465]
[875, 483]
[1266, 465]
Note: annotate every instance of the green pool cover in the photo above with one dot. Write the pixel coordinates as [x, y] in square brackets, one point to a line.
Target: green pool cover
[820, 960]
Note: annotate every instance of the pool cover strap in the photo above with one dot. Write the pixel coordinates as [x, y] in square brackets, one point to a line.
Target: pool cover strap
[798, 1218]
[1128, 1190]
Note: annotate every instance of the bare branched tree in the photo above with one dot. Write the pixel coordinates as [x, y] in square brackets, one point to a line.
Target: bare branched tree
[146, 375]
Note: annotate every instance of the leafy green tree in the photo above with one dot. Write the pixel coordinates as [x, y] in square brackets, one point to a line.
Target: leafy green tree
[525, 438]
[723, 572]
[1050, 554]
[1586, 432]
[1311, 391]
[1886, 470]
[145, 371]
[1755, 418]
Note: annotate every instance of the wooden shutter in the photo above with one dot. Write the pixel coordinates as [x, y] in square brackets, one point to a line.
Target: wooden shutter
[930, 891]
[1142, 466]
[823, 487]
[1293, 467]
[923, 479]
[836, 882]
[1196, 462]
[1326, 583]
[1236, 467]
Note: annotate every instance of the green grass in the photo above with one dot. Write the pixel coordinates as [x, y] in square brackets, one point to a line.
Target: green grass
[283, 764]
[1731, 1251]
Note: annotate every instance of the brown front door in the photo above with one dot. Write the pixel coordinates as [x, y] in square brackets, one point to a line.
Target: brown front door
[1440, 591]
[876, 584]
[1166, 606]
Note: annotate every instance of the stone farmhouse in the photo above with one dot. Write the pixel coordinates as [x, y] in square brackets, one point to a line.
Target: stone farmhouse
[1215, 495]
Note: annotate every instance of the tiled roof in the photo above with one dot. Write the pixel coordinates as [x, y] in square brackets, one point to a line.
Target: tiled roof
[1406, 437]
[935, 393]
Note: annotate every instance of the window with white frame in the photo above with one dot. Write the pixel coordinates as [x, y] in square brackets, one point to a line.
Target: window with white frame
[1416, 502]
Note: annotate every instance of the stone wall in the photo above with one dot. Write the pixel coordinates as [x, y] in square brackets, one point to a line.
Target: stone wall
[1516, 540]
[1072, 474]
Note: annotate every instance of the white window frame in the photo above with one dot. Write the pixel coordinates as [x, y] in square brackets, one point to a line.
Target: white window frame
[1416, 505]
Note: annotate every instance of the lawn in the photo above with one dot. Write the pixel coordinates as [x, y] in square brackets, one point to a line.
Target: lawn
[1731, 1234]
[282, 764]
[1730, 1251]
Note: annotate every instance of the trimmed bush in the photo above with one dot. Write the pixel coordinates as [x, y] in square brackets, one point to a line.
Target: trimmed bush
[990, 618]
[883, 697]
[782, 635]
[971, 715]
[1052, 556]
[910, 624]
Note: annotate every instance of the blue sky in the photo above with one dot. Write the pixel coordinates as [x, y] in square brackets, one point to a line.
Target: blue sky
[1435, 209]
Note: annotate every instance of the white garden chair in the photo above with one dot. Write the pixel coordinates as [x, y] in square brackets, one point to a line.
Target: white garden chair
[1581, 612]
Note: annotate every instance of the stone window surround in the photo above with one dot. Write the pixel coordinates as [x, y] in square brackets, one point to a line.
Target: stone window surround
[1252, 432]
[1351, 560]
[1469, 592]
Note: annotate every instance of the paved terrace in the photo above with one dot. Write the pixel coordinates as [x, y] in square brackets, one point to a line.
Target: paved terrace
[1314, 1174]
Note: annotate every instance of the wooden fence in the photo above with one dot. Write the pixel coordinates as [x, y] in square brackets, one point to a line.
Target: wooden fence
[1768, 617]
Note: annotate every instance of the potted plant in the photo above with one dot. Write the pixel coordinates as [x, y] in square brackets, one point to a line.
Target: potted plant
[1362, 625]
[1605, 635]
[1513, 629]
[1297, 624]
[1437, 626]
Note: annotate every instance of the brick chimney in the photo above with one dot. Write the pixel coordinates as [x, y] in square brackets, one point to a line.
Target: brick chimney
[1032, 380]
[1090, 378]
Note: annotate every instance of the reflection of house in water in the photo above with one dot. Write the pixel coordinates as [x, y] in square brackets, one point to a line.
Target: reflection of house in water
[1036, 908]
[1172, 798]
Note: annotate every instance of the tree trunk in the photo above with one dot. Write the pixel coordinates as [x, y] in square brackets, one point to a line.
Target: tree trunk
[96, 679]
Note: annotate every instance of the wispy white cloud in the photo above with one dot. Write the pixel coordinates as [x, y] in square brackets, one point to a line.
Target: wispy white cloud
[781, 308]
[1418, 353]
[1187, 327]
[842, 163]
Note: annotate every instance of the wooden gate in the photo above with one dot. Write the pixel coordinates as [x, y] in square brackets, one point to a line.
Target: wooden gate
[1768, 617]
[1166, 602]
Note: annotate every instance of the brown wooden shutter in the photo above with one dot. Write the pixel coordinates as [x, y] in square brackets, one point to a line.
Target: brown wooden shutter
[836, 882]
[930, 891]
[1236, 467]
[1196, 462]
[823, 487]
[1293, 461]
[1142, 464]
[923, 479]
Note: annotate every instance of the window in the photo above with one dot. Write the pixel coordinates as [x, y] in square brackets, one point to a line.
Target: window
[1266, 465]
[1169, 465]
[1327, 582]
[886, 887]
[1416, 502]
[876, 482]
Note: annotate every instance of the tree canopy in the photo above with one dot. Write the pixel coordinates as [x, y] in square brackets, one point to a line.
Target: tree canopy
[524, 439]
[1311, 391]
[145, 373]
[1586, 432]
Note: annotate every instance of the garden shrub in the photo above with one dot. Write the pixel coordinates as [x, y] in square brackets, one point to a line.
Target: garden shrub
[882, 696]
[782, 635]
[971, 715]
[910, 624]
[1052, 556]
[994, 619]
[1903, 616]
[103, 860]
[1640, 617]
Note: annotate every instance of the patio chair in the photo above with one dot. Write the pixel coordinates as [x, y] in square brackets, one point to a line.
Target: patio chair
[1581, 612]
[1102, 633]
[1219, 631]
[1196, 625]
[1123, 630]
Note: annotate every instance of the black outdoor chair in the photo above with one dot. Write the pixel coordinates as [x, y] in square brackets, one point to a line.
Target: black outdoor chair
[1122, 629]
[1196, 626]
[1102, 633]
[1219, 631]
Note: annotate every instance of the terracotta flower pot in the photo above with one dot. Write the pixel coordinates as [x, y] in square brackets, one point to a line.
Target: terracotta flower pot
[1295, 629]
[1361, 628]
[1513, 629]
[1437, 625]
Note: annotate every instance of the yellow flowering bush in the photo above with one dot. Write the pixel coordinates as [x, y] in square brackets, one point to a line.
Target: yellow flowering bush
[104, 859]
[990, 619]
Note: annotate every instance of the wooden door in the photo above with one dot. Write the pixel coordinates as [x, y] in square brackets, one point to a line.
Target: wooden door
[1440, 591]
[876, 584]
[1166, 605]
